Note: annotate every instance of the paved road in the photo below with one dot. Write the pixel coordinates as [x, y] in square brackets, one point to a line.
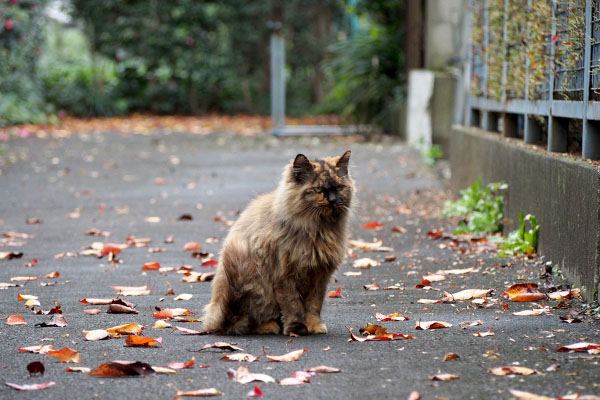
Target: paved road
[115, 182]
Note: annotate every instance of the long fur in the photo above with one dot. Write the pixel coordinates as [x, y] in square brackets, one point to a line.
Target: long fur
[279, 255]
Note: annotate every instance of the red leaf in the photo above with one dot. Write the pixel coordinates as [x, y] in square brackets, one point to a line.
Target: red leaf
[210, 263]
[524, 292]
[15, 320]
[151, 266]
[256, 392]
[141, 341]
[65, 354]
[337, 293]
[372, 225]
[181, 365]
[32, 263]
[192, 246]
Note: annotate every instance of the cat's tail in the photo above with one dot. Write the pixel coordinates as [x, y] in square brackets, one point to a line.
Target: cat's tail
[225, 313]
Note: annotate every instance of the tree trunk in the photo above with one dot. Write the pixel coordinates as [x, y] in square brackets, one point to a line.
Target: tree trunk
[414, 34]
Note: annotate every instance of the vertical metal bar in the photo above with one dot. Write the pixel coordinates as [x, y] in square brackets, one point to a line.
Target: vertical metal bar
[591, 134]
[277, 81]
[468, 117]
[486, 41]
[557, 127]
[532, 130]
[504, 52]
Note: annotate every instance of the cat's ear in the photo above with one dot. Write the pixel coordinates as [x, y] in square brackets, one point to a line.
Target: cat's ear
[342, 164]
[302, 169]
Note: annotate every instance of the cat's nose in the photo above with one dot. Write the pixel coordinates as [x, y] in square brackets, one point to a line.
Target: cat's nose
[332, 198]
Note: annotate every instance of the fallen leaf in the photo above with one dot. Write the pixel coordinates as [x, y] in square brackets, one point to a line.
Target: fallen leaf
[85, 370]
[23, 278]
[151, 266]
[32, 263]
[456, 271]
[97, 232]
[32, 303]
[242, 375]
[200, 392]
[536, 312]
[466, 324]
[52, 275]
[132, 290]
[323, 369]
[352, 273]
[183, 296]
[451, 356]
[57, 321]
[372, 286]
[424, 325]
[127, 329]
[142, 341]
[467, 294]
[399, 229]
[181, 365]
[443, 377]
[221, 346]
[9, 255]
[291, 356]
[66, 355]
[210, 263]
[390, 317]
[164, 370]
[95, 334]
[364, 263]
[580, 346]
[372, 225]
[414, 395]
[380, 336]
[39, 349]
[390, 258]
[297, 378]
[34, 386]
[337, 293]
[242, 357]
[116, 369]
[191, 332]
[36, 367]
[369, 246]
[198, 276]
[256, 392]
[192, 246]
[512, 370]
[15, 320]
[428, 301]
[520, 395]
[161, 324]
[434, 277]
[565, 294]
[483, 334]
[524, 292]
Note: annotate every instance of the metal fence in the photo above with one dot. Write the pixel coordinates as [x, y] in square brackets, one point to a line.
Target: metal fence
[535, 72]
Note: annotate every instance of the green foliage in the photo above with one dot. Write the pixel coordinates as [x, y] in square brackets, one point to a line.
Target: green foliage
[483, 208]
[521, 241]
[430, 153]
[368, 67]
[21, 36]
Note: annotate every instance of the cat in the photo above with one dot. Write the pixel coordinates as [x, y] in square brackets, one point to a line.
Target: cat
[279, 255]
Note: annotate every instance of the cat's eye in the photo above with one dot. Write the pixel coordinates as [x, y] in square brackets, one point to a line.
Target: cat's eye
[318, 189]
[339, 188]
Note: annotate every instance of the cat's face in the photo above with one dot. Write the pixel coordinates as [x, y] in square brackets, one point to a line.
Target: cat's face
[324, 186]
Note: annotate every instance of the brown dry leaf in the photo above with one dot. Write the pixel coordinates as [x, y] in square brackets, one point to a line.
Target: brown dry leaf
[443, 377]
[221, 346]
[467, 294]
[483, 334]
[192, 246]
[565, 294]
[121, 368]
[161, 324]
[524, 292]
[382, 335]
[200, 392]
[369, 246]
[127, 329]
[390, 317]
[198, 276]
[132, 290]
[57, 321]
[242, 375]
[85, 370]
[120, 309]
[451, 356]
[297, 378]
[141, 341]
[95, 334]
[371, 286]
[291, 356]
[513, 370]
[243, 357]
[9, 255]
[15, 320]
[365, 263]
[39, 349]
[520, 395]
[190, 331]
[534, 313]
[580, 346]
[424, 325]
[428, 301]
[460, 271]
[66, 355]
[323, 369]
[33, 386]
[168, 313]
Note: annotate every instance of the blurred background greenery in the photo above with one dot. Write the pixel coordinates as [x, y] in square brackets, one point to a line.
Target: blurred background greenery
[191, 57]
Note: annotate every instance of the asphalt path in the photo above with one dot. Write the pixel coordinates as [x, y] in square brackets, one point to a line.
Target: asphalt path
[141, 186]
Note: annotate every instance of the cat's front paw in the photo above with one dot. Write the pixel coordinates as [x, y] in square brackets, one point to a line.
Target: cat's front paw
[297, 328]
[316, 328]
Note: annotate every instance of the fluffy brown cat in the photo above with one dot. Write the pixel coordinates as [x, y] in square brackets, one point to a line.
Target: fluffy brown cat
[279, 255]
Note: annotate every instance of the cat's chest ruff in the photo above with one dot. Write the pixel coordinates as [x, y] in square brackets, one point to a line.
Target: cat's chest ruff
[314, 249]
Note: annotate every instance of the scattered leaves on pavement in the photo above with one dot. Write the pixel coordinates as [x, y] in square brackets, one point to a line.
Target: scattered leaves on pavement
[65, 355]
[33, 386]
[291, 356]
[242, 375]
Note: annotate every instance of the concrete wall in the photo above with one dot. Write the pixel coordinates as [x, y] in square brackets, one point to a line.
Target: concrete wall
[563, 194]
[443, 32]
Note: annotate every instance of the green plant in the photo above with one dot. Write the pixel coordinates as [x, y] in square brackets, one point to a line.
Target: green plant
[483, 208]
[521, 241]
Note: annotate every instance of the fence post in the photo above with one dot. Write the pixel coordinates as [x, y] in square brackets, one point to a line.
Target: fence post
[277, 80]
[591, 133]
[532, 130]
[557, 127]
